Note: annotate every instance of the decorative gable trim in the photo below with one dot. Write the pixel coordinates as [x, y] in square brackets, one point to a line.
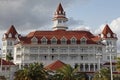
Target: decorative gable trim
[34, 40]
[44, 40]
[53, 40]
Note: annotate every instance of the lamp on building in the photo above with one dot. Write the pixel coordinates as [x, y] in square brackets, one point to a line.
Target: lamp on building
[99, 56]
[110, 50]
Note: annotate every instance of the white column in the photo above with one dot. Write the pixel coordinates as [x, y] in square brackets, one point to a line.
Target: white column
[89, 67]
[94, 67]
[23, 56]
[83, 67]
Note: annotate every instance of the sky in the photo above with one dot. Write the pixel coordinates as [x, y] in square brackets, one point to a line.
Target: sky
[29, 15]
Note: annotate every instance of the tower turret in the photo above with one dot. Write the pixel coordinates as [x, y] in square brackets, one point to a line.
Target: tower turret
[60, 19]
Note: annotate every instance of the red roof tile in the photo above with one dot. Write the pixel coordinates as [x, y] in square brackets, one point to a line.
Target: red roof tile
[59, 13]
[59, 34]
[11, 31]
[60, 8]
[107, 30]
[55, 65]
[4, 62]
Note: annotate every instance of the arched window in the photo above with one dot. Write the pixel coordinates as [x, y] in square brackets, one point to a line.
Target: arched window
[83, 40]
[43, 40]
[73, 40]
[63, 41]
[34, 40]
[54, 41]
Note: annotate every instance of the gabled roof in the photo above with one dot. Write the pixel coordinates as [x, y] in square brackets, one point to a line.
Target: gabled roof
[55, 65]
[4, 62]
[11, 31]
[107, 30]
[58, 34]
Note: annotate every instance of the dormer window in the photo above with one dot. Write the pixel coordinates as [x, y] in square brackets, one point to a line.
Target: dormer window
[34, 40]
[54, 41]
[73, 40]
[63, 40]
[10, 35]
[83, 40]
[43, 40]
[59, 21]
[108, 35]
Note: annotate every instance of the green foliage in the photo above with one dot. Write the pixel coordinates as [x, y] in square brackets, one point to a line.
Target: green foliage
[118, 64]
[69, 73]
[33, 71]
[103, 74]
[9, 57]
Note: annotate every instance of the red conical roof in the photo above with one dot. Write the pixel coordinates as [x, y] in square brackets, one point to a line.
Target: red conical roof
[60, 11]
[60, 8]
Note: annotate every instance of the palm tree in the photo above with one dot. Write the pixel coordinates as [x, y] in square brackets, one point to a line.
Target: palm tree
[69, 73]
[33, 71]
[103, 74]
[118, 64]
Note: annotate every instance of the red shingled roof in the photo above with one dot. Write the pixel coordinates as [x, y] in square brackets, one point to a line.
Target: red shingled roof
[59, 13]
[59, 34]
[11, 31]
[59, 8]
[4, 62]
[107, 30]
[55, 65]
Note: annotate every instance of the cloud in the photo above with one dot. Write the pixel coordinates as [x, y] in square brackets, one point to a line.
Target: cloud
[35, 13]
[115, 27]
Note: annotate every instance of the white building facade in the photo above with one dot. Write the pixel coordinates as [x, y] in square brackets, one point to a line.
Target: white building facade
[70, 46]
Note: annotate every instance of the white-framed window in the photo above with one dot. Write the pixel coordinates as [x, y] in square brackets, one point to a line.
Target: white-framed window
[108, 35]
[10, 35]
[9, 43]
[53, 40]
[34, 40]
[4, 43]
[43, 50]
[18, 49]
[59, 21]
[18, 57]
[34, 49]
[83, 40]
[63, 50]
[44, 40]
[73, 57]
[63, 40]
[73, 40]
